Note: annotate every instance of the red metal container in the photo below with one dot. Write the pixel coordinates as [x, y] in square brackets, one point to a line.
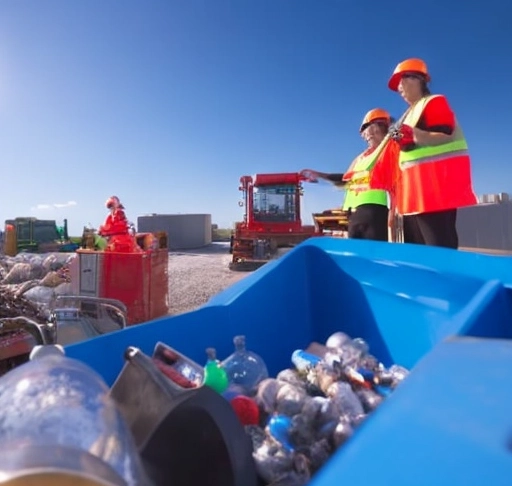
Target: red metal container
[139, 280]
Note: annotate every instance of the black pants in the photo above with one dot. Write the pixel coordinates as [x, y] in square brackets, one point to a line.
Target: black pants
[369, 222]
[435, 229]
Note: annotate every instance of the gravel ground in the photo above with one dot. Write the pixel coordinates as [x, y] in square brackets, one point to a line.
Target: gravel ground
[196, 275]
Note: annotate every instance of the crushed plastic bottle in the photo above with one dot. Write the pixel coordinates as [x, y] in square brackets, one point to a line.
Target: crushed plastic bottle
[245, 368]
[346, 400]
[399, 373]
[312, 408]
[320, 411]
[337, 340]
[266, 397]
[304, 361]
[290, 399]
[272, 460]
[360, 345]
[369, 399]
[279, 428]
[290, 376]
[342, 432]
[345, 351]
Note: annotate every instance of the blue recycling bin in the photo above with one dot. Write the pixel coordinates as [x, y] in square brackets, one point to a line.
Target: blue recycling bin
[445, 314]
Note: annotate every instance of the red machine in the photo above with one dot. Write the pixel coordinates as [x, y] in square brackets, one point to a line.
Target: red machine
[272, 218]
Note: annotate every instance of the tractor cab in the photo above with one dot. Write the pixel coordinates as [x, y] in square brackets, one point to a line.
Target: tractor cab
[273, 202]
[272, 218]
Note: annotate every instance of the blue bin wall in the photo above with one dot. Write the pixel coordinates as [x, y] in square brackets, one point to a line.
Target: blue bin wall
[449, 423]
[432, 309]
[401, 309]
[441, 260]
[493, 318]
[272, 331]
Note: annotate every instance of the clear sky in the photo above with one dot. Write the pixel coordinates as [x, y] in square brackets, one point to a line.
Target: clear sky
[166, 103]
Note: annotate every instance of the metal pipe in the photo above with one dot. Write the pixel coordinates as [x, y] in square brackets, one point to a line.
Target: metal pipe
[40, 332]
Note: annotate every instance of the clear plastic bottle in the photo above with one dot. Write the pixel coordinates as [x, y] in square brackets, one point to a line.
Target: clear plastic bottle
[245, 368]
[360, 345]
[337, 340]
[399, 373]
[344, 398]
[57, 421]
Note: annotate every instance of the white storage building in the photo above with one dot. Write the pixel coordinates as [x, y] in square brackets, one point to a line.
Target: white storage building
[184, 231]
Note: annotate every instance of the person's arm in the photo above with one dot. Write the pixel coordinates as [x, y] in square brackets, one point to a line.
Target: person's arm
[335, 178]
[423, 138]
[436, 124]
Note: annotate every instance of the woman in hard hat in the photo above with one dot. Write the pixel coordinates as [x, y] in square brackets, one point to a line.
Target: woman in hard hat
[116, 229]
[432, 161]
[116, 222]
[368, 208]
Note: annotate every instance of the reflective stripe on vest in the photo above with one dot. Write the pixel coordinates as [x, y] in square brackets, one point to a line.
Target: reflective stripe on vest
[355, 199]
[434, 153]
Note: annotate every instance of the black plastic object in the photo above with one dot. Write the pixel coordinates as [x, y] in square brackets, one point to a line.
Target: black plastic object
[184, 436]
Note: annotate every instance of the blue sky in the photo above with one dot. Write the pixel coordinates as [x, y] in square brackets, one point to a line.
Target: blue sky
[166, 103]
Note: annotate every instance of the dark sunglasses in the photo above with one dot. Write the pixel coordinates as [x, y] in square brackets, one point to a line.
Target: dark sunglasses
[413, 76]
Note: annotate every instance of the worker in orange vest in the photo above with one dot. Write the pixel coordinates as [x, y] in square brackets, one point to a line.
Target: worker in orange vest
[116, 222]
[116, 229]
[367, 208]
[428, 174]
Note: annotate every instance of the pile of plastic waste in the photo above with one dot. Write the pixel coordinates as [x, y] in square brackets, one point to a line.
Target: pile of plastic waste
[29, 283]
[311, 410]
[298, 419]
[14, 306]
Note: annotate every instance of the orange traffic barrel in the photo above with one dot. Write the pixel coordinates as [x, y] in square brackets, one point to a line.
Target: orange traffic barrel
[10, 243]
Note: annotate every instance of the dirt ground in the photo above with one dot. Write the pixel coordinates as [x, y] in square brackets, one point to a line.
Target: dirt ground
[196, 275]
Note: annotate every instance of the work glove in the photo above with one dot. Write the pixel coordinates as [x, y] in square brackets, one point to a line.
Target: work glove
[310, 175]
[404, 135]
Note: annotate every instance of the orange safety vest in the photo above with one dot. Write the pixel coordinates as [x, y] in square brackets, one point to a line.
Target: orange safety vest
[357, 175]
[435, 177]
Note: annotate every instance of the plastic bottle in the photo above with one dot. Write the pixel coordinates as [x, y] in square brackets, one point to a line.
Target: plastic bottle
[337, 340]
[58, 420]
[279, 428]
[344, 398]
[303, 360]
[214, 374]
[399, 373]
[245, 368]
[360, 345]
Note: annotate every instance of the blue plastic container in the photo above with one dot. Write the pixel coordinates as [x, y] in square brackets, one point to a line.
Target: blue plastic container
[405, 301]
